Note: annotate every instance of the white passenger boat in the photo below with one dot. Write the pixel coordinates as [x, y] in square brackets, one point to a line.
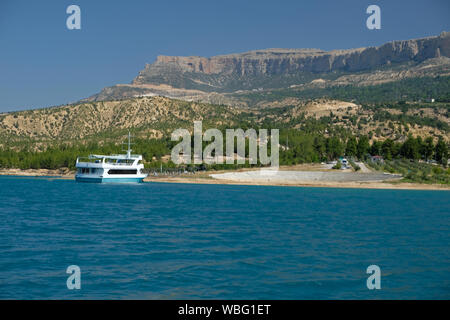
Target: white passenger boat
[113, 168]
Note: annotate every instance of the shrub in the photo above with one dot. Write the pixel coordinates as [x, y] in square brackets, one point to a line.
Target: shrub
[338, 165]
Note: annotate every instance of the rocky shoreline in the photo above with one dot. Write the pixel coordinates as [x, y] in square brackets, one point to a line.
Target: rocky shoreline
[61, 173]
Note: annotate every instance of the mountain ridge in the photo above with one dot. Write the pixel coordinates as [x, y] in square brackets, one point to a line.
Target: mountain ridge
[217, 79]
[413, 47]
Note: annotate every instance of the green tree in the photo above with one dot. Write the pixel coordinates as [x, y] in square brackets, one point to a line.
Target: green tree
[410, 148]
[387, 149]
[335, 148]
[441, 152]
[375, 149]
[363, 146]
[428, 148]
[320, 146]
[351, 148]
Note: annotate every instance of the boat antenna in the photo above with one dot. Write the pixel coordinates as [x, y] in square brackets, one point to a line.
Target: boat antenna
[129, 146]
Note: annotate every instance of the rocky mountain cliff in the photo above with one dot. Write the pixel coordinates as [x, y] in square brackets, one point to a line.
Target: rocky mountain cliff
[193, 78]
[292, 61]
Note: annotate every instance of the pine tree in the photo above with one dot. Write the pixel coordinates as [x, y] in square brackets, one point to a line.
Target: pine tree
[363, 146]
[441, 152]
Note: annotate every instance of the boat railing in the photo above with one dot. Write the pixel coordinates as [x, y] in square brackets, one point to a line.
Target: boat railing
[89, 160]
[133, 156]
[118, 163]
[106, 161]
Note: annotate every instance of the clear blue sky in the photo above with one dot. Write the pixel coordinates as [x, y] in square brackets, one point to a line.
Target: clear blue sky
[42, 63]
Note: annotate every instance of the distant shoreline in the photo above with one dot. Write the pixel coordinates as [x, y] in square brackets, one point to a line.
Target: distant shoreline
[204, 178]
[60, 173]
[345, 185]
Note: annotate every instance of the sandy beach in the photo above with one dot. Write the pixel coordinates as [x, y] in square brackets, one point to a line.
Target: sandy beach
[325, 184]
[304, 175]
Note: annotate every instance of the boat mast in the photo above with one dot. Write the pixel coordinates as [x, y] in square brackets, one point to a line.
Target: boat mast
[129, 145]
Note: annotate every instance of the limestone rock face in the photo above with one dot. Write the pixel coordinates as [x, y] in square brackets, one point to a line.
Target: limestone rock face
[290, 61]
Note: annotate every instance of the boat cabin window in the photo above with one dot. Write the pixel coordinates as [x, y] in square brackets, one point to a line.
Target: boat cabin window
[120, 161]
[83, 170]
[118, 171]
[125, 161]
[89, 170]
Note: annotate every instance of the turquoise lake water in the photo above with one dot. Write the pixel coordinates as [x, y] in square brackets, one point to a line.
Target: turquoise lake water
[190, 241]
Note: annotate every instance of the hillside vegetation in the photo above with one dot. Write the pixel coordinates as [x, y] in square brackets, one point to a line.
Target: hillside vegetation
[310, 131]
[147, 117]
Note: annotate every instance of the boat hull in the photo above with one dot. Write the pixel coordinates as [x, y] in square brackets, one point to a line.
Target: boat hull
[109, 180]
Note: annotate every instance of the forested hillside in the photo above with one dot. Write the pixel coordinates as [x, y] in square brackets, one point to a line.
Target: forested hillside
[310, 131]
